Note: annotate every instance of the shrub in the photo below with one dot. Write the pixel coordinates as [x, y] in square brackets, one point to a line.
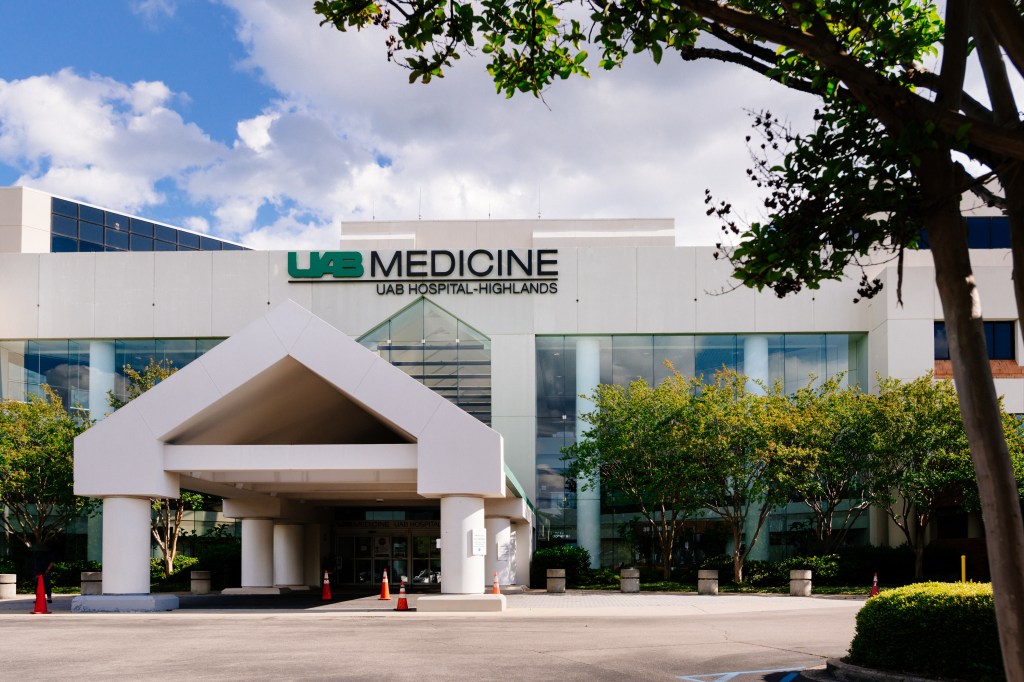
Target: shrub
[222, 556]
[7, 565]
[930, 629]
[574, 559]
[69, 573]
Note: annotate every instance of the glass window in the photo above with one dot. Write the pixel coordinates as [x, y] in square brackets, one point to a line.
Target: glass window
[676, 350]
[122, 222]
[116, 238]
[713, 353]
[164, 246]
[550, 365]
[999, 336]
[89, 247]
[140, 243]
[64, 225]
[63, 245]
[979, 235]
[188, 239]
[64, 207]
[164, 233]
[90, 233]
[632, 359]
[1000, 227]
[209, 244]
[141, 227]
[90, 214]
[233, 247]
[805, 356]
[941, 342]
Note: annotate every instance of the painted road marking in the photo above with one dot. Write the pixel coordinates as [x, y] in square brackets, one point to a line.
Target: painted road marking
[724, 677]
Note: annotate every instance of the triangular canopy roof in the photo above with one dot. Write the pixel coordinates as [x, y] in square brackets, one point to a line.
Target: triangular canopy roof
[290, 406]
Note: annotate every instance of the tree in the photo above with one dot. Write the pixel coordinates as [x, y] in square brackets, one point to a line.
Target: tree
[836, 433]
[37, 468]
[865, 61]
[636, 445]
[921, 456]
[167, 514]
[745, 453]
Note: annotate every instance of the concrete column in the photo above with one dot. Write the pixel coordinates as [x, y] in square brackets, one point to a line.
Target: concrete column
[522, 556]
[288, 555]
[755, 366]
[257, 553]
[101, 380]
[588, 502]
[126, 542]
[461, 572]
[311, 554]
[499, 536]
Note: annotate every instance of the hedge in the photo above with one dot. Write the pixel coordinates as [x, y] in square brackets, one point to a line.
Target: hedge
[574, 559]
[943, 630]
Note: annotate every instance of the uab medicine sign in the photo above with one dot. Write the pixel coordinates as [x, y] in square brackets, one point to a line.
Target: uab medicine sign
[468, 272]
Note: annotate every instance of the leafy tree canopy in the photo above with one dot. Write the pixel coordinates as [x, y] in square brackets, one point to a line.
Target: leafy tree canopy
[37, 468]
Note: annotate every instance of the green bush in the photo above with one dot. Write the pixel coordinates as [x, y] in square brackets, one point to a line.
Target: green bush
[222, 556]
[574, 559]
[7, 565]
[69, 573]
[930, 629]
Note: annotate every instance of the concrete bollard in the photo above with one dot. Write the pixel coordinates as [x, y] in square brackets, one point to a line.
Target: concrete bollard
[800, 583]
[629, 580]
[8, 585]
[200, 582]
[556, 580]
[92, 582]
[707, 582]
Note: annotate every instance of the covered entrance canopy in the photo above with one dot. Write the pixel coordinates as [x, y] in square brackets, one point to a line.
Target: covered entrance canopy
[283, 419]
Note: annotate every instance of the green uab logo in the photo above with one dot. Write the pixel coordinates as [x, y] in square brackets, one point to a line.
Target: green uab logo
[348, 264]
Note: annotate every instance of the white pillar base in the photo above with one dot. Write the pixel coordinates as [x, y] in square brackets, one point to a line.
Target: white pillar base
[124, 603]
[126, 542]
[257, 553]
[461, 572]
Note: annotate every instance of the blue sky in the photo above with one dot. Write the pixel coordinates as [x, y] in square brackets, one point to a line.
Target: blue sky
[246, 119]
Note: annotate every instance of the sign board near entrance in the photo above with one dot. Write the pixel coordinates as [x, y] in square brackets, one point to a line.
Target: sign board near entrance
[479, 541]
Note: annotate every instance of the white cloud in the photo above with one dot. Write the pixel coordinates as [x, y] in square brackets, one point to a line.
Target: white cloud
[154, 11]
[97, 139]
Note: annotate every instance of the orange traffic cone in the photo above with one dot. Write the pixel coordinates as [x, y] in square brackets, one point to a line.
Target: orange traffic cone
[40, 596]
[403, 603]
[385, 592]
[874, 586]
[494, 587]
[326, 594]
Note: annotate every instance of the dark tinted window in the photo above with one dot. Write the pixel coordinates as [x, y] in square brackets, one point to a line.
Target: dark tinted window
[90, 233]
[90, 214]
[121, 221]
[188, 239]
[941, 343]
[64, 207]
[998, 340]
[164, 246]
[140, 243]
[208, 244]
[63, 245]
[60, 224]
[112, 248]
[89, 246]
[1000, 232]
[142, 227]
[979, 236]
[116, 238]
[233, 247]
[167, 234]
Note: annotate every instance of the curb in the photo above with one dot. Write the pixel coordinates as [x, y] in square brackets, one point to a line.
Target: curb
[846, 672]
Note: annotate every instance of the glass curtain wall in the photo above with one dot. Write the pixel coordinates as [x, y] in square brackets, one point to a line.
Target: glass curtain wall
[440, 351]
[793, 359]
[68, 365]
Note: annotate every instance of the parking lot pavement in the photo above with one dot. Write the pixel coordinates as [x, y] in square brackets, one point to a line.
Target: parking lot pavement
[583, 636]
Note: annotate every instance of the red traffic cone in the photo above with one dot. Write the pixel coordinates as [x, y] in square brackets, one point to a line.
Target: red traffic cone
[494, 587]
[403, 603]
[385, 592]
[40, 596]
[326, 594]
[874, 586]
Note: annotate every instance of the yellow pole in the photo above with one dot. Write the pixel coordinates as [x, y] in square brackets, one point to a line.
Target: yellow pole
[963, 568]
